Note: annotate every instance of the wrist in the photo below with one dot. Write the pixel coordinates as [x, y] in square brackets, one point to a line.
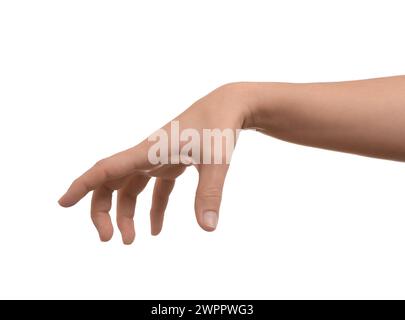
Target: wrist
[259, 102]
[257, 105]
[242, 101]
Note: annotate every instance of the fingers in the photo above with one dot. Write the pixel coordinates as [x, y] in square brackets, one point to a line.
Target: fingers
[116, 166]
[161, 193]
[126, 201]
[100, 208]
[209, 194]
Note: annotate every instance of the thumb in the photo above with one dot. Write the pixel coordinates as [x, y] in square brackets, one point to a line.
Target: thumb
[209, 194]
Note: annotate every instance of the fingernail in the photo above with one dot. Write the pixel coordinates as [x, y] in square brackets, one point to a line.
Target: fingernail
[210, 219]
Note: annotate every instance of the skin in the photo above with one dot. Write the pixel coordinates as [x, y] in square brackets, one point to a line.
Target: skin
[365, 117]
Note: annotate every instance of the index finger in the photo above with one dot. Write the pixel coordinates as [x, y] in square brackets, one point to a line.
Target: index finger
[116, 166]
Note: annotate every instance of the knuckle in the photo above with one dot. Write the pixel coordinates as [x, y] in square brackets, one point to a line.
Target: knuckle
[81, 182]
[99, 163]
[212, 193]
[101, 166]
[161, 198]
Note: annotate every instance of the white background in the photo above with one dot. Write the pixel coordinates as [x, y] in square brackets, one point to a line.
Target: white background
[80, 80]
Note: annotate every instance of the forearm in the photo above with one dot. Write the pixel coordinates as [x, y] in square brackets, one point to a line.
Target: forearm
[365, 117]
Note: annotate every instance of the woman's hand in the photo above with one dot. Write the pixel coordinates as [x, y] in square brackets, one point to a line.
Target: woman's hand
[365, 117]
[129, 171]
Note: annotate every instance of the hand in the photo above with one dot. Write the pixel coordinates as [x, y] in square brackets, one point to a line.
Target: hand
[363, 117]
[129, 171]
